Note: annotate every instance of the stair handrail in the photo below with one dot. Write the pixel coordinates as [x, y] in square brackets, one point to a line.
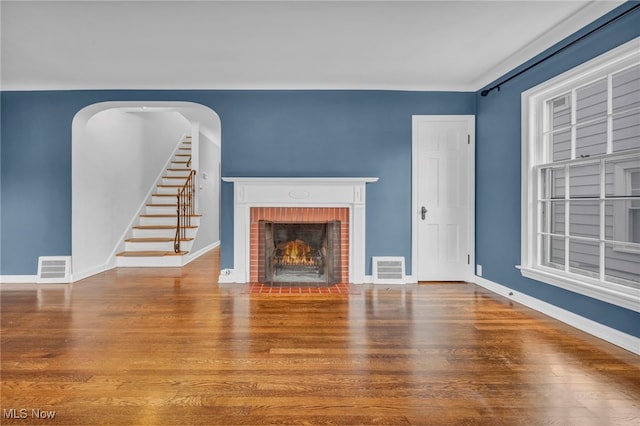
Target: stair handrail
[185, 209]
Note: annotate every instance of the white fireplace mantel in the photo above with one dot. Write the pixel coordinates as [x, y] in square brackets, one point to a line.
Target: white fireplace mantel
[349, 192]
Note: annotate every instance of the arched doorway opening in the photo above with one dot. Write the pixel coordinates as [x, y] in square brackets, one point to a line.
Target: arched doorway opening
[119, 149]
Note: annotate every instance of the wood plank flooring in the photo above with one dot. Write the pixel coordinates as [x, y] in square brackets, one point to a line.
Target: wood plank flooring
[171, 347]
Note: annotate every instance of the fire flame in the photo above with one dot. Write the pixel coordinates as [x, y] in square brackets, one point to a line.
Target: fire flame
[296, 252]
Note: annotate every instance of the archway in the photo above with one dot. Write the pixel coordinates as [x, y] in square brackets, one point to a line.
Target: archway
[119, 150]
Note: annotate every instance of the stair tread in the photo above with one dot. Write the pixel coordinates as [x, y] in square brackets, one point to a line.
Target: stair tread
[174, 177]
[168, 185]
[155, 240]
[168, 215]
[150, 253]
[179, 169]
[161, 227]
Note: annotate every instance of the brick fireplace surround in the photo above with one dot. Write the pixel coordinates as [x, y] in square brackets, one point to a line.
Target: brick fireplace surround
[298, 215]
[297, 200]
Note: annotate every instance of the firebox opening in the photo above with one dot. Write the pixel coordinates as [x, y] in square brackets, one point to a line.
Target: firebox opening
[300, 252]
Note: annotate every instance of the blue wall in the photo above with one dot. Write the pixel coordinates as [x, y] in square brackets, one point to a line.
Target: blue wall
[498, 173]
[264, 133]
[322, 133]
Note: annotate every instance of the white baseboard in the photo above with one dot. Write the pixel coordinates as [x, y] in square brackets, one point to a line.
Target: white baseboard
[408, 279]
[611, 335]
[103, 268]
[411, 279]
[191, 257]
[77, 276]
[231, 276]
[18, 279]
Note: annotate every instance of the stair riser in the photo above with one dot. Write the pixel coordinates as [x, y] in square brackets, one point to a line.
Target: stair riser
[160, 199]
[155, 262]
[150, 221]
[164, 246]
[178, 164]
[161, 210]
[182, 173]
[161, 233]
[166, 190]
[180, 181]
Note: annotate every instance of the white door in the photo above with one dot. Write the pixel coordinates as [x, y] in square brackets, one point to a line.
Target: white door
[443, 173]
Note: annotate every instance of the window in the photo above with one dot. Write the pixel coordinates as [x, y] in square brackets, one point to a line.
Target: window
[581, 179]
[633, 210]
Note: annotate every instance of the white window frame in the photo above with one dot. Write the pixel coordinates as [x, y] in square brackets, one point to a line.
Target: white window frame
[533, 154]
[621, 229]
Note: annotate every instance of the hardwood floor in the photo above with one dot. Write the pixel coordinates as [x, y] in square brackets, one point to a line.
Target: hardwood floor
[171, 346]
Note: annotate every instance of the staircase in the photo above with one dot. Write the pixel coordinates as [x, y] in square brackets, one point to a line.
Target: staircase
[154, 238]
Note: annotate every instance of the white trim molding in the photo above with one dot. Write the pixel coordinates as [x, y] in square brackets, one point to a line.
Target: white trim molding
[536, 126]
[193, 256]
[33, 279]
[470, 120]
[18, 279]
[347, 192]
[616, 294]
[611, 335]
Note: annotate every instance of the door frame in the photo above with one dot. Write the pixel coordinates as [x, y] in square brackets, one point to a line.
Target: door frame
[415, 208]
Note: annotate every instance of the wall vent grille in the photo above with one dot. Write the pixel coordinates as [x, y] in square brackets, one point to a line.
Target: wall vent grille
[388, 270]
[54, 269]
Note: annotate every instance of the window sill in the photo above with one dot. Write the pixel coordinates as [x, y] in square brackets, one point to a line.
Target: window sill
[623, 296]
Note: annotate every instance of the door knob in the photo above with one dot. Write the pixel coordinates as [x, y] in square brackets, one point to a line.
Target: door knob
[423, 212]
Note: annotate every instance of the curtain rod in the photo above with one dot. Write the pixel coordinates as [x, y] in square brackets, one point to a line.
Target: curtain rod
[485, 92]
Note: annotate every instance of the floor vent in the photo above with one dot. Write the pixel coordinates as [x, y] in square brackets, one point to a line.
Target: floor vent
[54, 269]
[388, 270]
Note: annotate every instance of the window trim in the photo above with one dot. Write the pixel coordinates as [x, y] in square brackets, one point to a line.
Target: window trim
[533, 124]
[621, 228]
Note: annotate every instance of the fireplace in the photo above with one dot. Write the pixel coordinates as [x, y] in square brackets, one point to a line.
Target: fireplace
[293, 245]
[294, 253]
[297, 200]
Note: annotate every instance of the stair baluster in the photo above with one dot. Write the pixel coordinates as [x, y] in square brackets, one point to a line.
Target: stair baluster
[185, 209]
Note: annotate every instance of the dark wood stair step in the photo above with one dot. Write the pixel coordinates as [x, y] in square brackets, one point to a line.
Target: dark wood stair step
[161, 227]
[167, 215]
[154, 240]
[165, 205]
[150, 253]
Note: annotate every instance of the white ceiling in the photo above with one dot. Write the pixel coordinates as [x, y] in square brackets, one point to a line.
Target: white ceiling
[397, 45]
